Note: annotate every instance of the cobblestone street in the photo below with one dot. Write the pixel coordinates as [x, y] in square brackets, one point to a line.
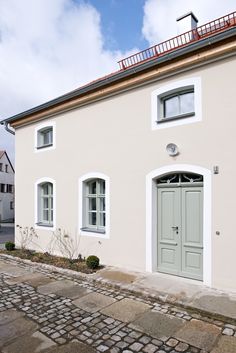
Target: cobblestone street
[51, 312]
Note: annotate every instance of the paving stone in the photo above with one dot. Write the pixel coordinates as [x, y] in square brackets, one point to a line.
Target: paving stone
[126, 310]
[216, 304]
[13, 270]
[145, 339]
[93, 302]
[55, 286]
[158, 325]
[73, 292]
[9, 315]
[14, 329]
[34, 279]
[172, 342]
[36, 341]
[150, 348]
[225, 344]
[228, 331]
[181, 347]
[117, 276]
[72, 347]
[199, 334]
[136, 347]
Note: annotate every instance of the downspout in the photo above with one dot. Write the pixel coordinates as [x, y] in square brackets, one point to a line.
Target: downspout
[7, 128]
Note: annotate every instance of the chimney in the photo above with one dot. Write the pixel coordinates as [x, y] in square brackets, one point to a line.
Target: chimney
[186, 22]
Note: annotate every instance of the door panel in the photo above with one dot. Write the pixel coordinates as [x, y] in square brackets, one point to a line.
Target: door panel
[168, 240]
[192, 226]
[180, 251]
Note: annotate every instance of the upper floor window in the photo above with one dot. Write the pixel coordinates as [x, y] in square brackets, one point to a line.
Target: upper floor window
[94, 217]
[45, 204]
[1, 165]
[6, 168]
[176, 104]
[45, 136]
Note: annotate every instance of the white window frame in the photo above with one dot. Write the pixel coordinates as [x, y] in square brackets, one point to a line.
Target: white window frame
[157, 120]
[48, 124]
[82, 207]
[36, 197]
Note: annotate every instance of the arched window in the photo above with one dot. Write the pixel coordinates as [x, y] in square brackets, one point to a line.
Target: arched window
[95, 205]
[45, 211]
[94, 200]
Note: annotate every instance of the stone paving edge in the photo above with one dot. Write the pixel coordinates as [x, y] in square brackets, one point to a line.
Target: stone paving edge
[161, 297]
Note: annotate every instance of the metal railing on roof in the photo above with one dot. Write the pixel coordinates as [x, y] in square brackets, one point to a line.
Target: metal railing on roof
[206, 30]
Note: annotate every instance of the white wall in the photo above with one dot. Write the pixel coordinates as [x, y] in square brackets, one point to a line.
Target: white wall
[115, 137]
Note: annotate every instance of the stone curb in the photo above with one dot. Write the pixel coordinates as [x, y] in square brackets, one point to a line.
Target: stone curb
[130, 289]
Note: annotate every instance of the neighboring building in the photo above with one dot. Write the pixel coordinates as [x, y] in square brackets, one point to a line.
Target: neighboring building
[6, 188]
[141, 162]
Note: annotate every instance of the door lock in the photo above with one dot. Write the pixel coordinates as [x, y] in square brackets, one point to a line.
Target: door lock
[176, 228]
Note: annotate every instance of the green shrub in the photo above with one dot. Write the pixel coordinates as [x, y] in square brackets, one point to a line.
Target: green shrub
[9, 245]
[92, 261]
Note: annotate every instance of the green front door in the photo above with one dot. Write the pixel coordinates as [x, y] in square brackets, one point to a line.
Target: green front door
[180, 224]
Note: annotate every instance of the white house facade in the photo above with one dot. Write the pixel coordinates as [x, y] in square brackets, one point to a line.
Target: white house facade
[6, 188]
[139, 164]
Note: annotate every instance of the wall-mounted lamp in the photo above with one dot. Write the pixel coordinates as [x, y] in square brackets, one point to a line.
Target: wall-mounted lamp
[216, 169]
[172, 149]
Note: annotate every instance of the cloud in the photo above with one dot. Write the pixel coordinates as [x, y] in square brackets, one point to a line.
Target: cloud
[159, 22]
[48, 48]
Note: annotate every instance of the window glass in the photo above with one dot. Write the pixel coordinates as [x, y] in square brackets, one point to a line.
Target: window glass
[95, 208]
[171, 107]
[45, 195]
[92, 187]
[176, 105]
[187, 103]
[45, 137]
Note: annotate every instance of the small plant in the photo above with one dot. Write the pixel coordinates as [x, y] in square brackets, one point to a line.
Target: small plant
[10, 246]
[92, 261]
[67, 245]
[26, 236]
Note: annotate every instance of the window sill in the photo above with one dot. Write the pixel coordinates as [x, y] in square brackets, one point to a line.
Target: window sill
[44, 225]
[44, 146]
[92, 230]
[177, 117]
[97, 233]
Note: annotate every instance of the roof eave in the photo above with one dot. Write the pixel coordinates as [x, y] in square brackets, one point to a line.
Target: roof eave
[121, 75]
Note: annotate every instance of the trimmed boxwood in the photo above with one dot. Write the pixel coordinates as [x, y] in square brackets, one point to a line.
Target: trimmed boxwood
[92, 261]
[10, 246]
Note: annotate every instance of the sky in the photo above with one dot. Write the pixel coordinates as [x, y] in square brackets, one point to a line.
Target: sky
[48, 48]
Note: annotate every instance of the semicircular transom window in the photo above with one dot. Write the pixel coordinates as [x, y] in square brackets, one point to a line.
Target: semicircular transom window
[180, 179]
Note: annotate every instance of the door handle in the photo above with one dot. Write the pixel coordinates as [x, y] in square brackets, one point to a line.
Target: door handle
[175, 228]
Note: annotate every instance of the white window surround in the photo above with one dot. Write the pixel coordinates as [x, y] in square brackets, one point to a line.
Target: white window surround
[173, 87]
[36, 203]
[84, 178]
[151, 218]
[36, 131]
